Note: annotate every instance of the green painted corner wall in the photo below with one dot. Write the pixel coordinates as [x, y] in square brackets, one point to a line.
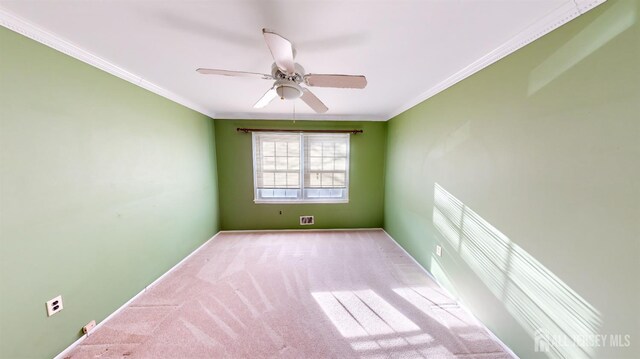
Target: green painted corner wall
[526, 173]
[238, 211]
[104, 186]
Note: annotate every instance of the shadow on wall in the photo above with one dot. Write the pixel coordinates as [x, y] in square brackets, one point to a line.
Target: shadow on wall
[546, 307]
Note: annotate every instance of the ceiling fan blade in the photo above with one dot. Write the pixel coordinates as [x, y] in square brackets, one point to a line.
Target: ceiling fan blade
[339, 81]
[281, 50]
[266, 98]
[310, 99]
[234, 73]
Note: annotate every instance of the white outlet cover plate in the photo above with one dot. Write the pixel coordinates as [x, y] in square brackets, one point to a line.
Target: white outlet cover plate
[54, 305]
[439, 251]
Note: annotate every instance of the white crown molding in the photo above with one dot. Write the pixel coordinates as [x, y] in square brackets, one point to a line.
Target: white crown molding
[44, 37]
[33, 32]
[586, 5]
[300, 117]
[565, 13]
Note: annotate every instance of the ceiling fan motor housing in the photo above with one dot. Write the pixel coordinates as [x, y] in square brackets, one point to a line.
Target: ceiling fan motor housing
[286, 85]
[296, 77]
[289, 75]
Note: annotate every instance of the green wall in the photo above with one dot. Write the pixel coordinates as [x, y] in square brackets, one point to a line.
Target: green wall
[238, 211]
[525, 173]
[103, 187]
[534, 162]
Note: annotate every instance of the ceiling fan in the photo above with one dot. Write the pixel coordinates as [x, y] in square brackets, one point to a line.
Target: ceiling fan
[288, 76]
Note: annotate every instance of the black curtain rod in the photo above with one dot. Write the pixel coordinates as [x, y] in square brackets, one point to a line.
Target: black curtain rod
[247, 130]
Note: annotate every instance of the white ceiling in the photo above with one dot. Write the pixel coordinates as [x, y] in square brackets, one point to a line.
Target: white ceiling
[408, 50]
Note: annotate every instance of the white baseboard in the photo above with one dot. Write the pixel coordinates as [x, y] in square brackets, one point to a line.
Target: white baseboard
[458, 301]
[301, 230]
[462, 306]
[82, 338]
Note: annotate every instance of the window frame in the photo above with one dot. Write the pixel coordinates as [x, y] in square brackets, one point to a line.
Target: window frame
[302, 191]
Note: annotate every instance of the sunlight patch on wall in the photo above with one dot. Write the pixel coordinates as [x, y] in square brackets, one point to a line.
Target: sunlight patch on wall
[610, 24]
[485, 249]
[447, 215]
[536, 297]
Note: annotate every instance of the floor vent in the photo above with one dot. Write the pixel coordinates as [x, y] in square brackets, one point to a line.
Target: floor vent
[306, 220]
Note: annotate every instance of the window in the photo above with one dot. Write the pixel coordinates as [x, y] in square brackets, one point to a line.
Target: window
[301, 167]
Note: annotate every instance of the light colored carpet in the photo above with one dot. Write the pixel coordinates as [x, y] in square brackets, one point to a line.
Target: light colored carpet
[342, 294]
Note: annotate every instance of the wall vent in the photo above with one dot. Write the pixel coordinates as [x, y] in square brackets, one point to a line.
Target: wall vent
[306, 220]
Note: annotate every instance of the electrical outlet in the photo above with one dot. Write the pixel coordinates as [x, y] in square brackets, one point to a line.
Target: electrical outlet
[306, 220]
[54, 306]
[438, 251]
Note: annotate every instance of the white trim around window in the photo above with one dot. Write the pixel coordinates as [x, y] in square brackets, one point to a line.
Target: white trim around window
[300, 167]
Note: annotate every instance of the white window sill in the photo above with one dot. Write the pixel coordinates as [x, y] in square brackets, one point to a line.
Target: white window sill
[300, 201]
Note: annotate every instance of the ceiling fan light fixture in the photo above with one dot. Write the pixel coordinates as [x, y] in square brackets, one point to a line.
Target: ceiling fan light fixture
[288, 90]
[288, 76]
